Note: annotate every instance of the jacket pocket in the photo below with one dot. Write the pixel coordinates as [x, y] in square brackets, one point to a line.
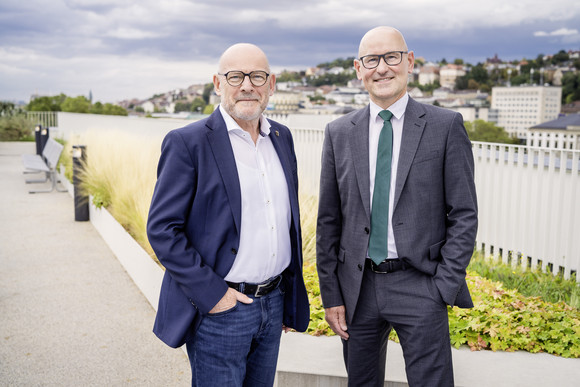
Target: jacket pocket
[435, 251]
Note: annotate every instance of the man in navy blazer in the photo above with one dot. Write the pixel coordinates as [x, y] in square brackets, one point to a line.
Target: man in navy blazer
[395, 233]
[224, 222]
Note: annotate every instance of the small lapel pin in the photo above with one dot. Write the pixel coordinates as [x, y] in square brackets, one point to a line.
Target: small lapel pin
[277, 133]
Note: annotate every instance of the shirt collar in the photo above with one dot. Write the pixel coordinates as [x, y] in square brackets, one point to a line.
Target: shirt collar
[398, 108]
[232, 125]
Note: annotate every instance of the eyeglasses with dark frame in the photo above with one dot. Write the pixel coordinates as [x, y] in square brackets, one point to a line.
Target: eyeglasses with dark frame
[391, 58]
[236, 78]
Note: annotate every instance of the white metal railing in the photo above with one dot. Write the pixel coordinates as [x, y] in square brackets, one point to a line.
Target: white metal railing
[46, 119]
[529, 209]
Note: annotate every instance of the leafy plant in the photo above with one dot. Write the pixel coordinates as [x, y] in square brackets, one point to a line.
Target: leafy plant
[533, 283]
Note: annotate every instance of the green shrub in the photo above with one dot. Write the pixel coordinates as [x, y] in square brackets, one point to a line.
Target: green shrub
[532, 283]
[15, 128]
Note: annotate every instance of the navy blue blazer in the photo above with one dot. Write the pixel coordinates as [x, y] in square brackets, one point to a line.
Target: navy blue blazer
[194, 226]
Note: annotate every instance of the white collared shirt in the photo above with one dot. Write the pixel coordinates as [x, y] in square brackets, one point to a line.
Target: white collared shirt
[265, 249]
[375, 127]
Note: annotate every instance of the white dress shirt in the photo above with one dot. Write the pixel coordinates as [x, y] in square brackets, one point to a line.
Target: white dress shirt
[265, 249]
[375, 127]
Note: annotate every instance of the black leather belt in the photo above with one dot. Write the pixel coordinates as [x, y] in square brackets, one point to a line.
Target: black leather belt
[387, 266]
[256, 290]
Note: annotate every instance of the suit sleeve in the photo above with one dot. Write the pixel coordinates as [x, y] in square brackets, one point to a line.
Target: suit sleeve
[329, 227]
[166, 226]
[461, 208]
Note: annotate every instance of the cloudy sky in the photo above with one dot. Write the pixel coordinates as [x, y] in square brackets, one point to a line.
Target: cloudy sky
[122, 49]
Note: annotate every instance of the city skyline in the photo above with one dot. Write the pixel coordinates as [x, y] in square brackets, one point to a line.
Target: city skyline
[136, 49]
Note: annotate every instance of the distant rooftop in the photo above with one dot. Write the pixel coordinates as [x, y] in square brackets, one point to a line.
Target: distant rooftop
[561, 123]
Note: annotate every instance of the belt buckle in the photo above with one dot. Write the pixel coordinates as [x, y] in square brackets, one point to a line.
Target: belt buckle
[268, 286]
[375, 267]
[259, 288]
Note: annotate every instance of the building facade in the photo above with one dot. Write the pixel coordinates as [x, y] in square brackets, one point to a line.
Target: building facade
[521, 107]
[562, 133]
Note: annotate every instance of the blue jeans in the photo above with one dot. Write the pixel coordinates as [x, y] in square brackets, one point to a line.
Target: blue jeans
[238, 347]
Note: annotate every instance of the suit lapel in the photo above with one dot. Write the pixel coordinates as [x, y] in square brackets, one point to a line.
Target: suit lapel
[359, 138]
[413, 128]
[221, 147]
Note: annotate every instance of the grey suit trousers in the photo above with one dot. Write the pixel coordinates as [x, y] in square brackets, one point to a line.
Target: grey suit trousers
[410, 303]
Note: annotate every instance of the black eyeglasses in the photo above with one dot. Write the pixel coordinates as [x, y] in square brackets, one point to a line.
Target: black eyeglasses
[391, 58]
[236, 78]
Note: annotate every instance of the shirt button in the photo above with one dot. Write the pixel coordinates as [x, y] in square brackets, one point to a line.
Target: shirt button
[359, 267]
[367, 230]
[234, 251]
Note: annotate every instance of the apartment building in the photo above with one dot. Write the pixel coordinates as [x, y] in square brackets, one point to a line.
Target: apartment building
[561, 133]
[448, 75]
[521, 107]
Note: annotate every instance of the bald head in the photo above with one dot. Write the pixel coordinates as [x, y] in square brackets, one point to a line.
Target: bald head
[381, 34]
[239, 54]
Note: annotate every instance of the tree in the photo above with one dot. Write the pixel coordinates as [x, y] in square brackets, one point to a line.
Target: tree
[480, 130]
[208, 88]
[289, 76]
[97, 108]
[46, 104]
[114, 110]
[561, 56]
[571, 87]
[182, 107]
[78, 104]
[197, 105]
[6, 108]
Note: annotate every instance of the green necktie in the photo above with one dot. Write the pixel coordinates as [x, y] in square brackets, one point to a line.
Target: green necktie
[379, 240]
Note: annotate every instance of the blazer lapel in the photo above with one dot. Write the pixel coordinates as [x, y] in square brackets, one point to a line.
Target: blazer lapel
[413, 128]
[221, 147]
[359, 138]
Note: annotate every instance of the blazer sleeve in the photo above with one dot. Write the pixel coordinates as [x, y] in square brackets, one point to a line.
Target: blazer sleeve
[328, 227]
[171, 204]
[461, 208]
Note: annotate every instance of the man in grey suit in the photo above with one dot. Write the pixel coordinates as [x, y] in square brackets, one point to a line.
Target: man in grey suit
[397, 221]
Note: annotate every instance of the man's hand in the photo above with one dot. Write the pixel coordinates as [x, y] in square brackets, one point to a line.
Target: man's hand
[336, 318]
[229, 300]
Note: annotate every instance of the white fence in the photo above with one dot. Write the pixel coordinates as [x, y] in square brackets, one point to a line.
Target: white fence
[529, 207]
[46, 119]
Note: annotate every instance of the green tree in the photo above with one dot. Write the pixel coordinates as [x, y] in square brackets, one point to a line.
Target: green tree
[480, 130]
[207, 89]
[561, 56]
[208, 109]
[79, 104]
[197, 105]
[182, 107]
[339, 62]
[571, 87]
[97, 108]
[46, 104]
[114, 110]
[6, 108]
[289, 76]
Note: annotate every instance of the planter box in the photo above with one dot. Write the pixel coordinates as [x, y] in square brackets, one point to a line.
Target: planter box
[144, 271]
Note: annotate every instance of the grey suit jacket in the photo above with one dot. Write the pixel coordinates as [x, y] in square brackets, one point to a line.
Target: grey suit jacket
[435, 206]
